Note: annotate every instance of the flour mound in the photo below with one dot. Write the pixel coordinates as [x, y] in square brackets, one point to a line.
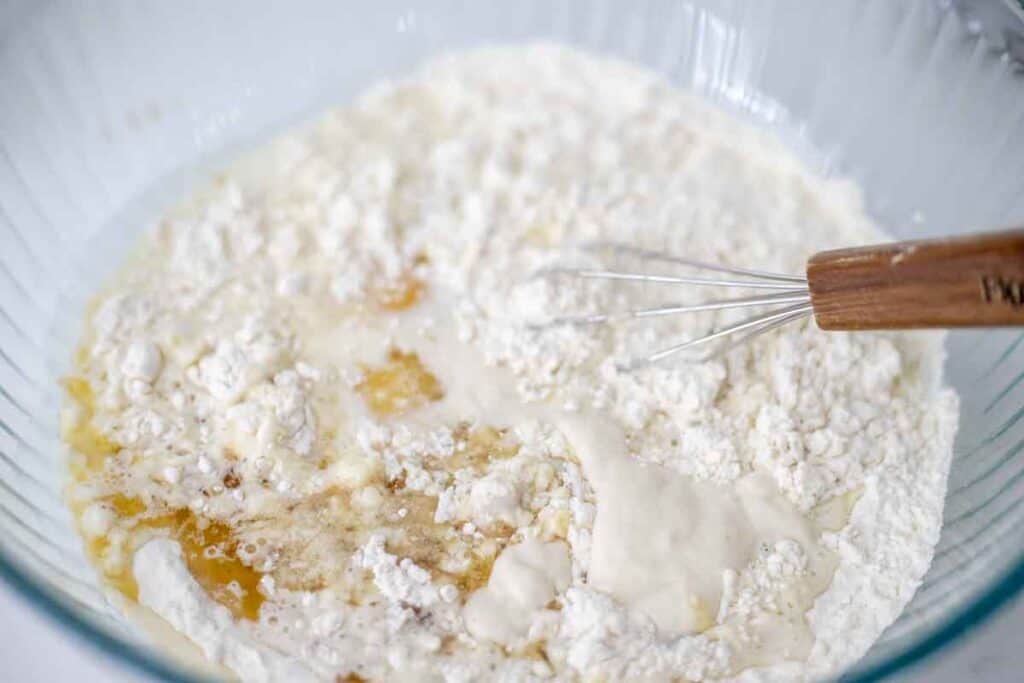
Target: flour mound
[233, 363]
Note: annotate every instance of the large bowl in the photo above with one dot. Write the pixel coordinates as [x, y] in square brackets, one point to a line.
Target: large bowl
[108, 111]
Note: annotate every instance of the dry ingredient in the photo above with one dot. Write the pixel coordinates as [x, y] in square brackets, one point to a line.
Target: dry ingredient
[320, 426]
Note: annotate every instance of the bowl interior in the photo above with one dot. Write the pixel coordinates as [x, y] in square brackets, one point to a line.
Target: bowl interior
[116, 112]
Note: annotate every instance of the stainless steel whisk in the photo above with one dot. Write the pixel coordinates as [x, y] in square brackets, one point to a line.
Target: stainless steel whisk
[974, 281]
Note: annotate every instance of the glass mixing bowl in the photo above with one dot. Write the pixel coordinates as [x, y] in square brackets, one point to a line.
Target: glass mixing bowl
[111, 111]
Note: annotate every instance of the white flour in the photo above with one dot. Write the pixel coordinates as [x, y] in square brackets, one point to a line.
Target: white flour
[764, 515]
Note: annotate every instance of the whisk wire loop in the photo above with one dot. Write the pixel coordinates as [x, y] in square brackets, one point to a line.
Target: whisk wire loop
[789, 291]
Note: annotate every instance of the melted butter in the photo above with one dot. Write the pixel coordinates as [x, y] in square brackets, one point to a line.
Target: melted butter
[209, 547]
[350, 678]
[126, 506]
[406, 518]
[80, 434]
[477, 574]
[479, 447]
[211, 553]
[116, 575]
[426, 539]
[400, 385]
[535, 649]
[401, 296]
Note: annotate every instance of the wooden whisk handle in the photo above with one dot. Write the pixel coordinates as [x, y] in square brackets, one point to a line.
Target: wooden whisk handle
[973, 281]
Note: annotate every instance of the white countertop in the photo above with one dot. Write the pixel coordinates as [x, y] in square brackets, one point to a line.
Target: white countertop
[33, 648]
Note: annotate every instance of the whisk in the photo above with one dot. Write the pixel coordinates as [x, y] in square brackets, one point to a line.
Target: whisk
[970, 281]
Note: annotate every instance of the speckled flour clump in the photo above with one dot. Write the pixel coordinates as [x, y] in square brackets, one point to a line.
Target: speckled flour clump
[320, 427]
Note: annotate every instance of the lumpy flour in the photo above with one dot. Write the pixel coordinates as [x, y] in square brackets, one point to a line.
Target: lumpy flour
[322, 428]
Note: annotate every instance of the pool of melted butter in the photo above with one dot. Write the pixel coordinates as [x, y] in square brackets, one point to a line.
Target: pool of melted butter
[209, 546]
[220, 555]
